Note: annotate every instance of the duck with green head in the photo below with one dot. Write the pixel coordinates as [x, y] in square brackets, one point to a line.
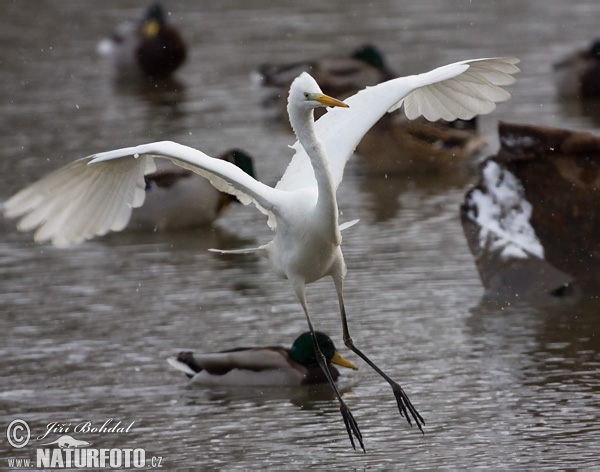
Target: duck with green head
[149, 48]
[339, 76]
[259, 366]
[177, 198]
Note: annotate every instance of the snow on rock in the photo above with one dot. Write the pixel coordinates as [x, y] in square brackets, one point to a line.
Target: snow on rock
[531, 222]
[500, 207]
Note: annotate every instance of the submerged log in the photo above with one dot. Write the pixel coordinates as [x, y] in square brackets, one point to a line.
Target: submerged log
[533, 220]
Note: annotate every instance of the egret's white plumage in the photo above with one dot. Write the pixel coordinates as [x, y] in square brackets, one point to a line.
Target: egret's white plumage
[458, 91]
[96, 194]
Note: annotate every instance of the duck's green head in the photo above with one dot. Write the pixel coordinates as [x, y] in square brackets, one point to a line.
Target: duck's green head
[241, 159]
[371, 55]
[595, 49]
[244, 161]
[303, 350]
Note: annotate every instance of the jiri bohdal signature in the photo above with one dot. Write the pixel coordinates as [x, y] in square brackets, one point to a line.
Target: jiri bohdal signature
[86, 427]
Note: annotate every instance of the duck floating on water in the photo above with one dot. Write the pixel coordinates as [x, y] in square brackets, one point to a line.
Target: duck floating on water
[148, 48]
[262, 366]
[337, 76]
[177, 198]
[395, 144]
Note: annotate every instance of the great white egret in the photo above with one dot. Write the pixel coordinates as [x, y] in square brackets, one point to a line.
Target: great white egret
[178, 198]
[150, 47]
[96, 194]
[268, 366]
[394, 144]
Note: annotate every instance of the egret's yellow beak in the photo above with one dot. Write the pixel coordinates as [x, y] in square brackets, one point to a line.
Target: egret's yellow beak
[328, 101]
[339, 360]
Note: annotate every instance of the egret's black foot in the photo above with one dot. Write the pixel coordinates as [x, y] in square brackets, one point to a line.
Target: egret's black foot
[405, 406]
[351, 426]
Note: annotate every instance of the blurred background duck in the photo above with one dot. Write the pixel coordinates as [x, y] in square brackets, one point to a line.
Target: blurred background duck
[338, 77]
[148, 48]
[395, 144]
[178, 198]
[399, 145]
[260, 366]
[578, 74]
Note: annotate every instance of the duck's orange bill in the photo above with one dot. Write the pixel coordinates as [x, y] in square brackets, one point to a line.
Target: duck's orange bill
[339, 360]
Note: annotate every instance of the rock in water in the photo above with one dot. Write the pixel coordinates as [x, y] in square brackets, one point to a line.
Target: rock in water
[533, 220]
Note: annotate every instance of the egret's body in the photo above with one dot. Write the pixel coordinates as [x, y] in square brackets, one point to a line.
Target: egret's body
[94, 195]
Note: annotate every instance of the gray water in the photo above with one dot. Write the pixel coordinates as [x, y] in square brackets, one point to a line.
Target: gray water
[86, 330]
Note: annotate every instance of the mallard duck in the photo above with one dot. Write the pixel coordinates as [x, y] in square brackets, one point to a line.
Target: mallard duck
[256, 366]
[578, 74]
[177, 198]
[395, 144]
[148, 48]
[337, 76]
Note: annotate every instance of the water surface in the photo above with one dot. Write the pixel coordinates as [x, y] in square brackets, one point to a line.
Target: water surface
[86, 330]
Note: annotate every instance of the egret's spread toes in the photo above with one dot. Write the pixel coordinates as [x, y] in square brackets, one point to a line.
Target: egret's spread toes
[405, 407]
[351, 426]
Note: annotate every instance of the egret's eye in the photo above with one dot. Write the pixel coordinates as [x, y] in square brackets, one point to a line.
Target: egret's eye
[306, 95]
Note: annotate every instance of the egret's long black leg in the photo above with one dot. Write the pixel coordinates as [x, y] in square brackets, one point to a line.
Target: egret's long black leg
[405, 406]
[349, 421]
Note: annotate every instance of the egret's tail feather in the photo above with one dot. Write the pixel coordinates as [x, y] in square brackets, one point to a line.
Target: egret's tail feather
[348, 224]
[259, 251]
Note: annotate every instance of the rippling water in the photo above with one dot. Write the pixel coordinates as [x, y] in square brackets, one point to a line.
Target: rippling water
[86, 330]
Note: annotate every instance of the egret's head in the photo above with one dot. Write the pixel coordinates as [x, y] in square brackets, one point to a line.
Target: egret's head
[306, 93]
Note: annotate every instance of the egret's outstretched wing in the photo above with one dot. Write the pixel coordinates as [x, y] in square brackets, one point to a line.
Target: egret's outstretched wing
[96, 194]
[460, 90]
[79, 201]
[224, 175]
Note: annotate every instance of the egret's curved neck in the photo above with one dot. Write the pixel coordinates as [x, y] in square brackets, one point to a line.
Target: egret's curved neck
[303, 124]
